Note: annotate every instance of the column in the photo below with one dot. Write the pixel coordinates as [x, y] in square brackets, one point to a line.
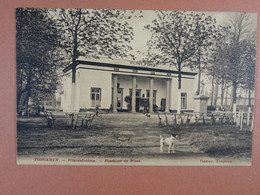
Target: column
[151, 95]
[167, 106]
[134, 94]
[115, 93]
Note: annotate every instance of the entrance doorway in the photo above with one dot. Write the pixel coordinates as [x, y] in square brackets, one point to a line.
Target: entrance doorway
[137, 100]
[163, 103]
[120, 98]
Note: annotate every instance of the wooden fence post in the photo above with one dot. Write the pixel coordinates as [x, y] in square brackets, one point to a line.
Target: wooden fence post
[160, 119]
[235, 113]
[237, 117]
[166, 119]
[203, 118]
[252, 123]
[248, 116]
[175, 119]
[241, 120]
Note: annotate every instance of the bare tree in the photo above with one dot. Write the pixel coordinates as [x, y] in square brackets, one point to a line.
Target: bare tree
[249, 66]
[236, 50]
[177, 37]
[94, 33]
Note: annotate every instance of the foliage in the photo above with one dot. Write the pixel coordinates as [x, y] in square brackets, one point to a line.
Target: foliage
[144, 102]
[128, 100]
[36, 54]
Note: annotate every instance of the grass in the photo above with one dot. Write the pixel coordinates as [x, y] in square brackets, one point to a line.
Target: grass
[130, 135]
[221, 141]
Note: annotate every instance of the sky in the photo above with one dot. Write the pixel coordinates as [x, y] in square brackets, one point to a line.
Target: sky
[141, 35]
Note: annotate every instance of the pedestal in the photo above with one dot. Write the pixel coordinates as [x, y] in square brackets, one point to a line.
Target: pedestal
[201, 103]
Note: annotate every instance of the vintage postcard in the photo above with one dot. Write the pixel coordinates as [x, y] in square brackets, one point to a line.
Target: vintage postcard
[133, 87]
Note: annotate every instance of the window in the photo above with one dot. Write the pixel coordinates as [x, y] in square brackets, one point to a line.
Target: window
[95, 96]
[183, 100]
[137, 94]
[154, 95]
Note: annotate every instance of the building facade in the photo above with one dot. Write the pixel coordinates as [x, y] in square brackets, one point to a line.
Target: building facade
[97, 79]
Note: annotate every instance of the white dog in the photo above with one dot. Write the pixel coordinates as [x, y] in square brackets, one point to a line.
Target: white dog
[169, 141]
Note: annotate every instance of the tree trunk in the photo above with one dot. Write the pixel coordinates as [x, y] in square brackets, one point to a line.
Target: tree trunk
[179, 76]
[222, 92]
[216, 94]
[179, 80]
[18, 99]
[26, 99]
[179, 101]
[226, 101]
[212, 91]
[234, 93]
[199, 78]
[74, 64]
[75, 48]
[199, 75]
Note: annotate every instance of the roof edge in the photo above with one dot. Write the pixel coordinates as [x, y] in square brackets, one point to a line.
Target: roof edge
[108, 64]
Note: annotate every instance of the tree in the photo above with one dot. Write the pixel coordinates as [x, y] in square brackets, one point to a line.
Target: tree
[94, 33]
[36, 54]
[206, 33]
[217, 66]
[180, 39]
[233, 59]
[249, 68]
[236, 50]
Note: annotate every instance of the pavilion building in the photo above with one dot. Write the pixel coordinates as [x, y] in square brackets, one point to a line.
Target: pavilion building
[107, 83]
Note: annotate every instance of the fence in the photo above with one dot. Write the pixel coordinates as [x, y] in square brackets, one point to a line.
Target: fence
[245, 118]
[240, 118]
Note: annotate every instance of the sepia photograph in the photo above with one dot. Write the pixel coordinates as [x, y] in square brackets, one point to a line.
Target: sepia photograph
[134, 87]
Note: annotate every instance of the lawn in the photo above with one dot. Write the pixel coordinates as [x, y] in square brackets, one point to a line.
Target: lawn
[126, 135]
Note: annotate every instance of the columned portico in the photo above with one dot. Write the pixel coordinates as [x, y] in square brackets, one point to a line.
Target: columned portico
[133, 94]
[151, 86]
[167, 103]
[124, 86]
[115, 77]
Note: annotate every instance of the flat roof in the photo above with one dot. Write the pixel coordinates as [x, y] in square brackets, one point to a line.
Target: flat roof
[126, 66]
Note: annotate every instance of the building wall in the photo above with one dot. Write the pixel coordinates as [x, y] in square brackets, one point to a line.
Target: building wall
[66, 95]
[187, 86]
[93, 76]
[97, 79]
